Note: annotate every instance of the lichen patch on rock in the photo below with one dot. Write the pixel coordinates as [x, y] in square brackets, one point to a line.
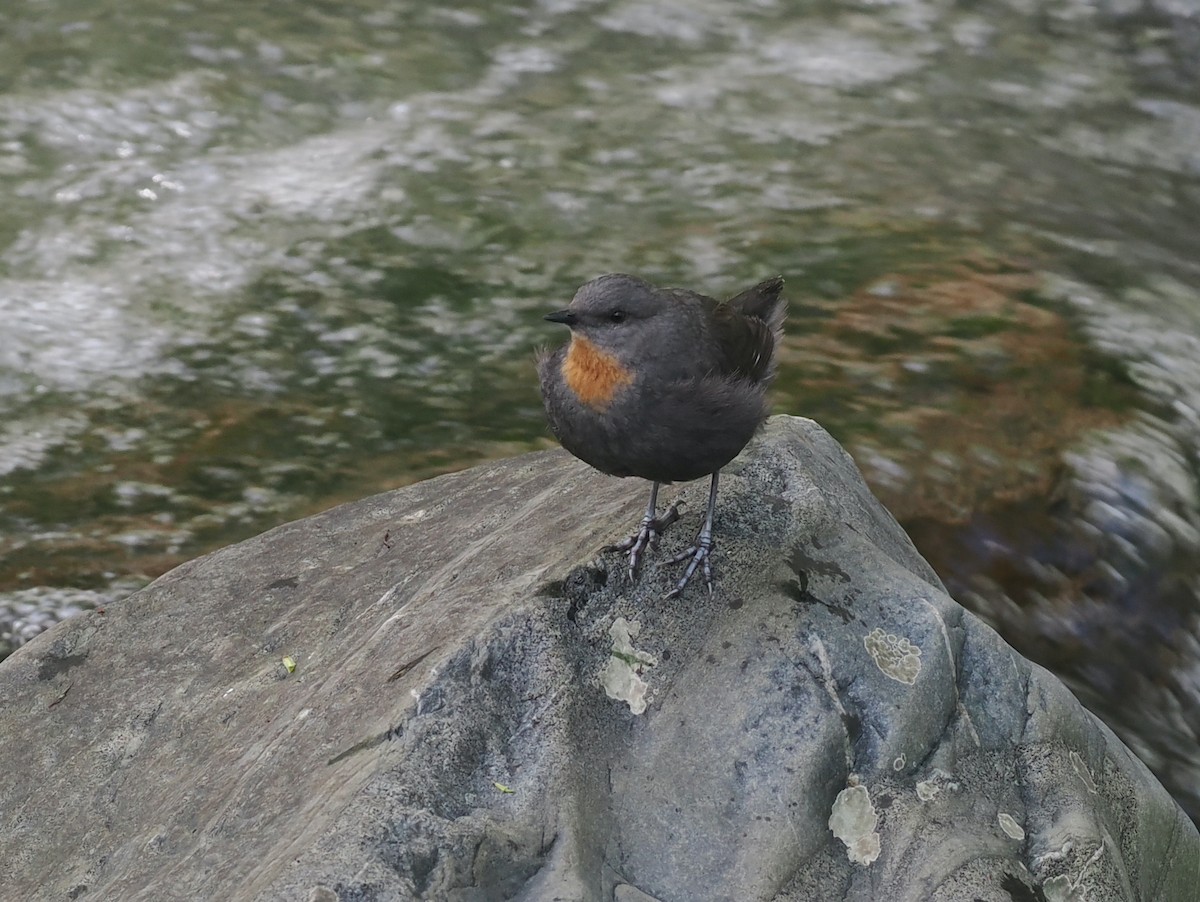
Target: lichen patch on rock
[853, 820]
[622, 675]
[894, 655]
[1010, 826]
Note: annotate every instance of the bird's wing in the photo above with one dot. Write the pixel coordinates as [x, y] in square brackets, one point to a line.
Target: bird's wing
[747, 328]
[763, 301]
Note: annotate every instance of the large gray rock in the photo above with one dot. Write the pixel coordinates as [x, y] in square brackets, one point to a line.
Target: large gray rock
[474, 717]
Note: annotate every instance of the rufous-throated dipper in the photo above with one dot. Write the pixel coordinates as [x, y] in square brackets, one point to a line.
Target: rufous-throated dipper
[665, 384]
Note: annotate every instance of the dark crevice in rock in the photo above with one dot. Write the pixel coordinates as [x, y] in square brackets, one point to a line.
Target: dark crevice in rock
[580, 586]
[1019, 891]
[50, 667]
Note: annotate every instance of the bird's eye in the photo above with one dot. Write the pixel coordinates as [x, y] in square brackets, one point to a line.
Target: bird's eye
[617, 316]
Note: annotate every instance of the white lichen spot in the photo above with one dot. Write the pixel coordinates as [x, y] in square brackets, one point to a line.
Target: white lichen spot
[853, 821]
[1060, 854]
[894, 655]
[898, 763]
[1082, 771]
[927, 790]
[1061, 889]
[622, 675]
[1010, 826]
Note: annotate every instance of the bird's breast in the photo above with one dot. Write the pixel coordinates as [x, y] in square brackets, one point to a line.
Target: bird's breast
[595, 376]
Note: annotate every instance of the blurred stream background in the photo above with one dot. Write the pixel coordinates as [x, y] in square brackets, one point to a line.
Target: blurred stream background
[257, 260]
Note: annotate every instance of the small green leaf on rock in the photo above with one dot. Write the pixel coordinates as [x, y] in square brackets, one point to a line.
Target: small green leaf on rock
[290, 663]
[502, 787]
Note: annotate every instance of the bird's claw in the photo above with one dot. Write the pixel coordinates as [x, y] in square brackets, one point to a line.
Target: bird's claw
[698, 556]
[647, 535]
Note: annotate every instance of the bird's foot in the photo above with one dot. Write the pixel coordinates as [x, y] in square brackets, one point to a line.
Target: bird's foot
[647, 536]
[697, 555]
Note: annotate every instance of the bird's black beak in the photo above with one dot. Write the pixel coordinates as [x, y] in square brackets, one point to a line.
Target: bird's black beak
[566, 317]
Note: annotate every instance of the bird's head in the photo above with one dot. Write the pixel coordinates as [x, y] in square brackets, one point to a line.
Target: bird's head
[622, 316]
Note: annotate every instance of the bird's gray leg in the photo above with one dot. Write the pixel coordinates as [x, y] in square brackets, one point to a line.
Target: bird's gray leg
[648, 533]
[700, 549]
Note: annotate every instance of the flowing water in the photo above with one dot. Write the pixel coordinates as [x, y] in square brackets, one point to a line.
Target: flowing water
[257, 259]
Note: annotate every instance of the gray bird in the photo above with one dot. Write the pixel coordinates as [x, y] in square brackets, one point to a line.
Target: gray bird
[665, 384]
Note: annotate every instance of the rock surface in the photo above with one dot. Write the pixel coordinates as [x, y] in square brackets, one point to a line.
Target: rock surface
[417, 696]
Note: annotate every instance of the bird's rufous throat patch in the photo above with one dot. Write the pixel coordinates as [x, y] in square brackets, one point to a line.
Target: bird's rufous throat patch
[593, 375]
